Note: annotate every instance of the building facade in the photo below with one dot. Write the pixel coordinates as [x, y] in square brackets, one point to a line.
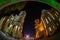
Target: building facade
[50, 21]
[13, 25]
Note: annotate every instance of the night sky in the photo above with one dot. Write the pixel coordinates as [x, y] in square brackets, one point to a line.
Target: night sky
[33, 10]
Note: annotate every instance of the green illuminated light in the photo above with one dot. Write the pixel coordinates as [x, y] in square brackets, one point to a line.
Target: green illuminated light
[52, 3]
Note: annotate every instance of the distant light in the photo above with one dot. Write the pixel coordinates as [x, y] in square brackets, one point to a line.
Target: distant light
[27, 36]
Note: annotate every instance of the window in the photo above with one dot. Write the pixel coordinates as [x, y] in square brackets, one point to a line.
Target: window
[59, 19]
[46, 21]
[49, 19]
[56, 15]
[51, 15]
[50, 29]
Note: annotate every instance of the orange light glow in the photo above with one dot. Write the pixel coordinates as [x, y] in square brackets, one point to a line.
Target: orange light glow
[39, 28]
